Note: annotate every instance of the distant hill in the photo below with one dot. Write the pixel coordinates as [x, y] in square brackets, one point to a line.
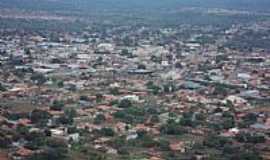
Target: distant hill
[117, 12]
[88, 5]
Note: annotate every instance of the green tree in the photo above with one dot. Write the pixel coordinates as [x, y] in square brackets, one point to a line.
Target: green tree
[172, 129]
[64, 119]
[54, 149]
[57, 105]
[114, 91]
[125, 103]
[154, 88]
[229, 123]
[126, 53]
[215, 141]
[2, 88]
[246, 155]
[99, 97]
[250, 119]
[27, 51]
[39, 116]
[100, 118]
[60, 84]
[245, 137]
[107, 132]
[71, 112]
[141, 66]
[38, 79]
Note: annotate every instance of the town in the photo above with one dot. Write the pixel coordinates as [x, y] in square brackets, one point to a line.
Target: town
[136, 92]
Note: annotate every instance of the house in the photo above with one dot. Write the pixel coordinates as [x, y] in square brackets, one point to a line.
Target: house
[75, 137]
[103, 107]
[102, 140]
[259, 126]
[24, 122]
[156, 158]
[105, 48]
[23, 152]
[132, 135]
[133, 98]
[57, 132]
[237, 101]
[231, 132]
[140, 71]
[2, 119]
[111, 150]
[178, 146]
[120, 127]
[141, 127]
[3, 156]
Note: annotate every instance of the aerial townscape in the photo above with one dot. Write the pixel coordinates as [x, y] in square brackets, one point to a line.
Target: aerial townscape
[144, 80]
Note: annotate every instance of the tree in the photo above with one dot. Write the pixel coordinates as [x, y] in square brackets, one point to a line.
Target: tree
[164, 145]
[84, 98]
[172, 129]
[156, 59]
[200, 117]
[60, 84]
[250, 118]
[187, 119]
[155, 90]
[228, 123]
[125, 52]
[187, 122]
[36, 140]
[147, 141]
[119, 114]
[5, 141]
[244, 137]
[170, 87]
[38, 79]
[65, 120]
[68, 117]
[154, 119]
[100, 118]
[230, 149]
[99, 97]
[178, 65]
[54, 149]
[141, 66]
[39, 116]
[22, 130]
[99, 60]
[221, 89]
[57, 105]
[114, 91]
[70, 112]
[215, 141]
[107, 132]
[56, 61]
[246, 155]
[125, 103]
[27, 51]
[2, 88]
